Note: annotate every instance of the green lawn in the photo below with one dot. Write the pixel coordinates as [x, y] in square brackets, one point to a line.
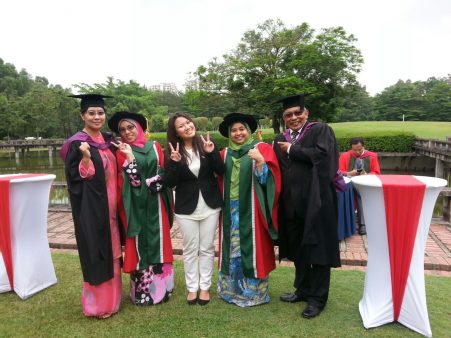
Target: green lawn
[56, 312]
[434, 130]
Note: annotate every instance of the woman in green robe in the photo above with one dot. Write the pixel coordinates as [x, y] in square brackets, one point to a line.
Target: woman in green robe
[248, 226]
[145, 211]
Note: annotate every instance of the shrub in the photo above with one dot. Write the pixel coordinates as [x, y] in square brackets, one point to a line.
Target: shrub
[377, 142]
[157, 123]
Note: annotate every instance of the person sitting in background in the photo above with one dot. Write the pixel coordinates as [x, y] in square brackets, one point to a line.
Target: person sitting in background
[359, 161]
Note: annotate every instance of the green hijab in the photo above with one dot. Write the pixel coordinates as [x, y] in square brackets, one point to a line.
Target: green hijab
[237, 151]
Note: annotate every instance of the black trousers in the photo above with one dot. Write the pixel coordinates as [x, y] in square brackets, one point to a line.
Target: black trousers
[312, 282]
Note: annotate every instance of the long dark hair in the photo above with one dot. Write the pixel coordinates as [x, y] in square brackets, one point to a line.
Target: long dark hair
[173, 138]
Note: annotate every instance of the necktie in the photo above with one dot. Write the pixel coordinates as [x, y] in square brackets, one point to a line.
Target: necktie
[294, 135]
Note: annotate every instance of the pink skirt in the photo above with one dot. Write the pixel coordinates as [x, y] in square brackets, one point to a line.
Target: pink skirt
[104, 299]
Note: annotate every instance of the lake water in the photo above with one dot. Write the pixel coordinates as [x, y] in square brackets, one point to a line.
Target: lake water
[39, 162]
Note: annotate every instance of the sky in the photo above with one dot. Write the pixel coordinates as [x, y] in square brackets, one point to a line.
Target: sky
[155, 41]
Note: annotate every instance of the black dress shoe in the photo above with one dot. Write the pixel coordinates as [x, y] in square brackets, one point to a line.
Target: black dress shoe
[192, 301]
[311, 311]
[362, 229]
[203, 302]
[292, 298]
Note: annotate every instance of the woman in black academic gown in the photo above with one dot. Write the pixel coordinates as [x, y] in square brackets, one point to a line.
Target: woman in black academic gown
[90, 167]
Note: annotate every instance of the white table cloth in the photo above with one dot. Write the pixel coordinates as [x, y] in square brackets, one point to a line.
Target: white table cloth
[376, 307]
[32, 266]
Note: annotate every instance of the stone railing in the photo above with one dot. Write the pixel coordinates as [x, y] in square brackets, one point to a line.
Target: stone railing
[32, 143]
[434, 148]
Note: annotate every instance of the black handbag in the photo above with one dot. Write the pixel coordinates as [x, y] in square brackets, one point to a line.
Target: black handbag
[155, 183]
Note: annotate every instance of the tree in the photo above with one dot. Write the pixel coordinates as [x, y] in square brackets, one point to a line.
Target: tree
[5, 117]
[418, 101]
[202, 102]
[134, 97]
[157, 123]
[12, 83]
[273, 61]
[357, 105]
[201, 122]
[438, 98]
[68, 113]
[215, 122]
[173, 101]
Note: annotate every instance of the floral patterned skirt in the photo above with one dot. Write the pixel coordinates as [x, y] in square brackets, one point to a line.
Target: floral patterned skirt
[240, 290]
[152, 285]
[235, 288]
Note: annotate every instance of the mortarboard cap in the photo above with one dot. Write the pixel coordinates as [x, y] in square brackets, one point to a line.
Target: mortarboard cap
[91, 100]
[293, 101]
[113, 122]
[237, 117]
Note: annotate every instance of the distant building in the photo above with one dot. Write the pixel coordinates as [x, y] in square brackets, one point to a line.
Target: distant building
[164, 87]
[192, 84]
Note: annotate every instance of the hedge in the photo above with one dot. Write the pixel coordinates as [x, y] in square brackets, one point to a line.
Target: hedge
[377, 142]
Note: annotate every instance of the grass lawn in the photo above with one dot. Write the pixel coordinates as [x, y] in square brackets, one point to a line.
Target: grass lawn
[422, 129]
[56, 312]
[433, 130]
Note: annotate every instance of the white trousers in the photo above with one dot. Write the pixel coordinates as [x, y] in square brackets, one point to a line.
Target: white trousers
[198, 250]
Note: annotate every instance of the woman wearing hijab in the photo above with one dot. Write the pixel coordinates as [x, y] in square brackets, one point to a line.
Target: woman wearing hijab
[193, 163]
[251, 187]
[145, 210]
[90, 167]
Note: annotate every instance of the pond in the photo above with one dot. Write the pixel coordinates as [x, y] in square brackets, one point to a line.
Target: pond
[38, 162]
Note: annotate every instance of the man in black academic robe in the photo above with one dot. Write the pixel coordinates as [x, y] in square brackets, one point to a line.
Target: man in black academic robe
[308, 224]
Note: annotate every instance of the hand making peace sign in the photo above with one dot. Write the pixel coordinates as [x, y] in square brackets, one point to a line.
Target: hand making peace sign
[175, 154]
[125, 149]
[209, 146]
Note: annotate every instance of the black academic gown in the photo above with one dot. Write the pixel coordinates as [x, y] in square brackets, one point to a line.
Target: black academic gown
[308, 198]
[90, 212]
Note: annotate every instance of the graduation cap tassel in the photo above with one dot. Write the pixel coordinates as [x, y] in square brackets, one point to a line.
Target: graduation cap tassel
[258, 135]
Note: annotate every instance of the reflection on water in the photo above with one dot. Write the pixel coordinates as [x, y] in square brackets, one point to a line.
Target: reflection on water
[33, 162]
[39, 162]
[59, 195]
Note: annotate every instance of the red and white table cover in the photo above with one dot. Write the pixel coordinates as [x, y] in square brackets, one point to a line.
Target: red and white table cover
[398, 211]
[25, 262]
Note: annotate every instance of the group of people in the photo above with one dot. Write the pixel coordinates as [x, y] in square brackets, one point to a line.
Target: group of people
[122, 192]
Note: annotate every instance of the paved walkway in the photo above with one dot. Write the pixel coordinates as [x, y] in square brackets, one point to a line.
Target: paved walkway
[353, 250]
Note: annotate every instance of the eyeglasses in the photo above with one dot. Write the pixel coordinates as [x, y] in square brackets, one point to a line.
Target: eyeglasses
[290, 115]
[130, 127]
